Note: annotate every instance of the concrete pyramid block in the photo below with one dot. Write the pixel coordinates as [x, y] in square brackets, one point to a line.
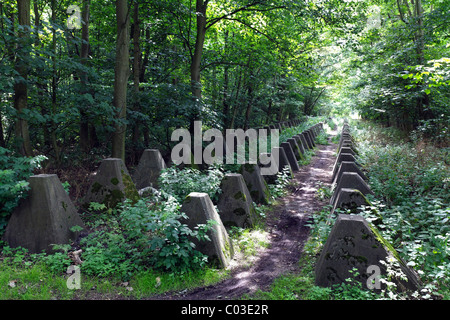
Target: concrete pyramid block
[348, 157]
[257, 186]
[304, 141]
[354, 243]
[44, 218]
[235, 203]
[295, 148]
[350, 180]
[347, 150]
[149, 169]
[281, 159]
[111, 185]
[348, 166]
[308, 139]
[269, 178]
[350, 199]
[200, 209]
[290, 156]
[300, 143]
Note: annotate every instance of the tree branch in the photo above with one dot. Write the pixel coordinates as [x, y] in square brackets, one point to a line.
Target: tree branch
[247, 7]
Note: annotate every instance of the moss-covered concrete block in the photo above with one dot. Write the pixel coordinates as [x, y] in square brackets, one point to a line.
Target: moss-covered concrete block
[200, 209]
[290, 156]
[300, 143]
[308, 139]
[44, 218]
[235, 203]
[350, 180]
[354, 243]
[255, 182]
[295, 147]
[111, 185]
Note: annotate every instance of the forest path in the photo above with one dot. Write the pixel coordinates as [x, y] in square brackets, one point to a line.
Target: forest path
[288, 233]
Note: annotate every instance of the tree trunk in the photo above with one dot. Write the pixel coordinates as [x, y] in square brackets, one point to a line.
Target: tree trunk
[225, 99]
[136, 72]
[21, 87]
[197, 59]
[53, 125]
[85, 139]
[122, 71]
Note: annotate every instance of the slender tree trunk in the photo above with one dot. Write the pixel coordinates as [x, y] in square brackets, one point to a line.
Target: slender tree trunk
[122, 72]
[85, 141]
[53, 126]
[196, 60]
[225, 99]
[269, 112]
[249, 105]
[21, 87]
[136, 71]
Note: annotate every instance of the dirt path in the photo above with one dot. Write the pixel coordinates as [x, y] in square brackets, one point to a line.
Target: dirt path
[288, 233]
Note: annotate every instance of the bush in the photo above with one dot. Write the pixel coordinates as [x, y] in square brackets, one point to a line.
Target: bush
[14, 174]
[180, 182]
[147, 234]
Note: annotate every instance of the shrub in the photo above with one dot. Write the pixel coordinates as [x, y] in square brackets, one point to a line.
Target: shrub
[147, 234]
[180, 182]
[14, 174]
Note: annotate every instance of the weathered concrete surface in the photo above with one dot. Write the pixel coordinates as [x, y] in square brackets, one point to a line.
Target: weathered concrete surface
[200, 209]
[290, 156]
[348, 157]
[295, 147]
[347, 150]
[299, 141]
[304, 141]
[350, 180]
[111, 185]
[44, 217]
[348, 166]
[257, 186]
[282, 161]
[235, 203]
[149, 169]
[350, 199]
[311, 137]
[354, 243]
[307, 137]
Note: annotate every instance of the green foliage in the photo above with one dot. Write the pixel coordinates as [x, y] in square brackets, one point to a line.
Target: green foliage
[412, 181]
[279, 188]
[147, 234]
[14, 174]
[180, 182]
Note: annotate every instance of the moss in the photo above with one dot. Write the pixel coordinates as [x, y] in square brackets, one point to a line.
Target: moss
[129, 188]
[248, 167]
[113, 198]
[239, 211]
[115, 181]
[240, 196]
[386, 243]
[64, 205]
[96, 187]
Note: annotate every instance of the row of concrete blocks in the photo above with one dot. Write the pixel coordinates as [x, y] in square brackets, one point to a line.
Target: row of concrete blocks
[353, 242]
[284, 124]
[348, 180]
[47, 215]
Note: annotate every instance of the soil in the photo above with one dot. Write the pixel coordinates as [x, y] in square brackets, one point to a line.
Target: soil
[288, 232]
